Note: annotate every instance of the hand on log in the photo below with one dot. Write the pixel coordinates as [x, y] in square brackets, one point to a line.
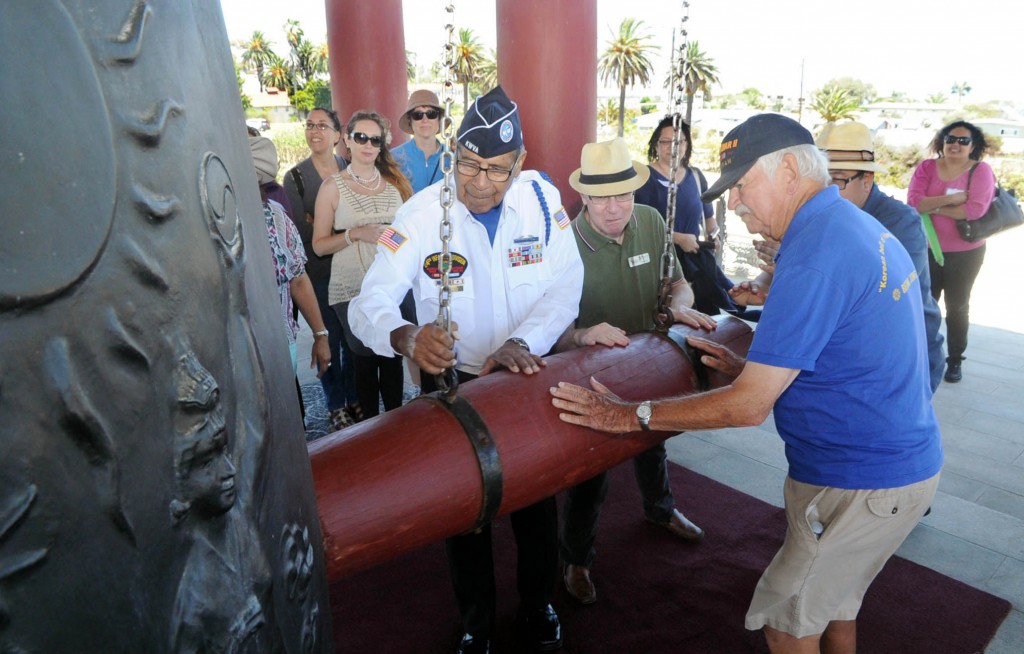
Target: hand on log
[718, 356]
[598, 409]
[515, 357]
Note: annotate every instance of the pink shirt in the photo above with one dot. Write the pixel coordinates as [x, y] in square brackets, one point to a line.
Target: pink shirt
[926, 183]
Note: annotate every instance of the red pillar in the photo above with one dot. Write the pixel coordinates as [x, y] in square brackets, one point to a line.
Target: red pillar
[547, 63]
[367, 46]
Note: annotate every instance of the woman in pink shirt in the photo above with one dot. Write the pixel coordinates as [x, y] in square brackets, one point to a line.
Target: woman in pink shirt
[946, 188]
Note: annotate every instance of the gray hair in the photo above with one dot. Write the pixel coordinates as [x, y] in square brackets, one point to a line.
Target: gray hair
[811, 162]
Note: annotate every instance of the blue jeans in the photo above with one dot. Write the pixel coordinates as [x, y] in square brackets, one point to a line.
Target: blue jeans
[339, 382]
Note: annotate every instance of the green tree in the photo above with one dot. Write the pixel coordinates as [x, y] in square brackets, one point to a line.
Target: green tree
[936, 98]
[256, 55]
[321, 60]
[753, 98]
[699, 73]
[246, 100]
[960, 90]
[410, 65]
[625, 62]
[834, 104]
[607, 112]
[468, 56]
[487, 71]
[278, 74]
[860, 92]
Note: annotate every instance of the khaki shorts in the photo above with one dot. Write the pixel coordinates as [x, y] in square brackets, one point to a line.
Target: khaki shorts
[836, 543]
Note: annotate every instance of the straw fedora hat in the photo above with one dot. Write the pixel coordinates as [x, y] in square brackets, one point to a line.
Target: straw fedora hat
[607, 169]
[420, 98]
[849, 146]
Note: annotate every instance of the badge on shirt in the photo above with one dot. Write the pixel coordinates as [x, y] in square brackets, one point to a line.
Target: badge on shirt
[639, 260]
[562, 218]
[392, 239]
[432, 269]
[525, 250]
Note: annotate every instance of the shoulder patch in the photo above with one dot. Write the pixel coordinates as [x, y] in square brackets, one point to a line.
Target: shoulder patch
[392, 239]
[562, 218]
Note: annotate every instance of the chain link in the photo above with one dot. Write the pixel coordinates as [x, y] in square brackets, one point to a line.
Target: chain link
[663, 313]
[447, 381]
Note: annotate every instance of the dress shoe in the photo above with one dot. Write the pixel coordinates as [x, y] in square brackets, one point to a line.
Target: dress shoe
[681, 528]
[541, 629]
[578, 583]
[953, 372]
[471, 644]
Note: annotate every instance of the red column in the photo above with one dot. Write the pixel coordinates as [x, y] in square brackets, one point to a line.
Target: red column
[367, 46]
[547, 63]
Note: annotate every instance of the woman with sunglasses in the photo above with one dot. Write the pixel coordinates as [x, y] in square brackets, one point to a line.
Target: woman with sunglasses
[420, 158]
[353, 209]
[302, 184]
[956, 185]
[710, 285]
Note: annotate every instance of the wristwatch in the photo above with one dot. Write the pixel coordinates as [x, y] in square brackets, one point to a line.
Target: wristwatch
[322, 332]
[643, 414]
[520, 342]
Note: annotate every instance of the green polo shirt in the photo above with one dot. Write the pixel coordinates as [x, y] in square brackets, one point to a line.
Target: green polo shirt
[621, 282]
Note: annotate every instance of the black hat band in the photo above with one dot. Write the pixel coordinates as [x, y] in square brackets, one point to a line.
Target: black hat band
[610, 178]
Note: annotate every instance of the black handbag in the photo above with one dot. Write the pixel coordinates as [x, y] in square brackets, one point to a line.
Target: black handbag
[1002, 214]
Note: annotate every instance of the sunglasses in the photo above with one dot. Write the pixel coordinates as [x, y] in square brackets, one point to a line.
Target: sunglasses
[361, 139]
[429, 113]
[962, 140]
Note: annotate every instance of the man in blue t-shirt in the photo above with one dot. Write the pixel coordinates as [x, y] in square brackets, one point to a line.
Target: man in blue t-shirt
[840, 356]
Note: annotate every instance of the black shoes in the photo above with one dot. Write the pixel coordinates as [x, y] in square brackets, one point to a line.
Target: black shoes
[473, 645]
[579, 585]
[541, 629]
[953, 372]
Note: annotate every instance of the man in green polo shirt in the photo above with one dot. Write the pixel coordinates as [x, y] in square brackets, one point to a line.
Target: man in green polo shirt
[621, 246]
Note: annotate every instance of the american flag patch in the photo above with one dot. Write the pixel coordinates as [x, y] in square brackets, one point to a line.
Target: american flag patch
[392, 239]
[562, 218]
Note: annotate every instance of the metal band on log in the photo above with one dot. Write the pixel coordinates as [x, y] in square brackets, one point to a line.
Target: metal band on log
[410, 476]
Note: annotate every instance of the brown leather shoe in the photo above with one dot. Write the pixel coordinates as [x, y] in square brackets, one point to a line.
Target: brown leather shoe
[681, 528]
[579, 585]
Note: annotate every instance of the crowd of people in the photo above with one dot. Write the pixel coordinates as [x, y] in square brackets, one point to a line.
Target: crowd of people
[360, 255]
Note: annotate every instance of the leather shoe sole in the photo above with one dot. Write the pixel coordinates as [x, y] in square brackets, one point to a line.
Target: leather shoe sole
[680, 527]
[579, 585]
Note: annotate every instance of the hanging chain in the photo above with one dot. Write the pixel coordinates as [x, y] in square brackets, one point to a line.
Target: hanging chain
[447, 381]
[663, 313]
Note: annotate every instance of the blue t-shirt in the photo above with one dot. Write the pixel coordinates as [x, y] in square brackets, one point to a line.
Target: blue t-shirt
[489, 219]
[689, 209]
[845, 310]
[421, 171]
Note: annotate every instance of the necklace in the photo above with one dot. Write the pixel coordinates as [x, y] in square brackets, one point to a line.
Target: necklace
[371, 183]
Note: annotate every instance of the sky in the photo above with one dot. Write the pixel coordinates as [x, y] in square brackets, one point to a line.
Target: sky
[918, 47]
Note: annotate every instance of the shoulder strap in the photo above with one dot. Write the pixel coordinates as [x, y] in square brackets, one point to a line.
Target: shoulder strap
[297, 178]
[970, 175]
[699, 175]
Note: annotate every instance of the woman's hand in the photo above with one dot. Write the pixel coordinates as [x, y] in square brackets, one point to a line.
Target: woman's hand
[366, 233]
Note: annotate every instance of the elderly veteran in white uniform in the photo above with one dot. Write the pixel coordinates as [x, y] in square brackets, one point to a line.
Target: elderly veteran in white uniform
[516, 282]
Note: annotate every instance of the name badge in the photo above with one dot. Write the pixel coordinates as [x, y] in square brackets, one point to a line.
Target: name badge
[639, 260]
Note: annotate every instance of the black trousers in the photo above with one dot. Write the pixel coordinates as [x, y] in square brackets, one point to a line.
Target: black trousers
[955, 279]
[471, 558]
[583, 504]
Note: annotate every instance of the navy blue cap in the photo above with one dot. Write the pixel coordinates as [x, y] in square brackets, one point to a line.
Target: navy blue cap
[491, 126]
[749, 141]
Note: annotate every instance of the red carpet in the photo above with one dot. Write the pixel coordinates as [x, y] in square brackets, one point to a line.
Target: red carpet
[658, 595]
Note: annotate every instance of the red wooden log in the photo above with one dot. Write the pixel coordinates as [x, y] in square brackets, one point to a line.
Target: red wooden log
[410, 476]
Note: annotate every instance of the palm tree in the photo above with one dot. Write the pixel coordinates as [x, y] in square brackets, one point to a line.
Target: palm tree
[278, 74]
[607, 111]
[321, 60]
[834, 104]
[487, 71]
[256, 54]
[468, 57]
[960, 90]
[625, 62]
[936, 98]
[699, 73]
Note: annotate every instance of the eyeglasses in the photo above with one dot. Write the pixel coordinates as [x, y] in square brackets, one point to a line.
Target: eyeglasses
[420, 115]
[319, 126]
[949, 139]
[360, 138]
[602, 200]
[472, 169]
[841, 182]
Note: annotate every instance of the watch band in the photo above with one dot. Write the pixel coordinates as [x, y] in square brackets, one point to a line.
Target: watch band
[322, 332]
[520, 342]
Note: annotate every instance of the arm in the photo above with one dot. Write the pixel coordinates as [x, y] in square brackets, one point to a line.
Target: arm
[980, 193]
[305, 300]
[325, 241]
[917, 192]
[746, 402]
[682, 300]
